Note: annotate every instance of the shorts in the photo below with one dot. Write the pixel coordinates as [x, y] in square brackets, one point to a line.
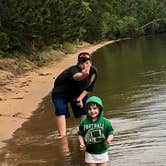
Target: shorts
[61, 108]
[96, 158]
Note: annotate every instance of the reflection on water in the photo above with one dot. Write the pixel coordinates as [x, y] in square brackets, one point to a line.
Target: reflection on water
[132, 83]
[36, 142]
[135, 93]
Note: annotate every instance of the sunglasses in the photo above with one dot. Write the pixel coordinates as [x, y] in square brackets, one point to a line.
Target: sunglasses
[84, 56]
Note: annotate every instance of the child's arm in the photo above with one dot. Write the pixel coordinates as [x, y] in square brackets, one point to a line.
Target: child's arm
[81, 141]
[109, 139]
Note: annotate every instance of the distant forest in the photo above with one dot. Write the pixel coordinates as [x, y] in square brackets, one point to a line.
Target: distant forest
[33, 24]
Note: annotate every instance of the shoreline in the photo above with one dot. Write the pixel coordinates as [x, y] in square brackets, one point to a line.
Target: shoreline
[28, 91]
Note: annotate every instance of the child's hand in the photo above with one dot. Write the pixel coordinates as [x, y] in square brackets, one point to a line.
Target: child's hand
[82, 146]
[109, 140]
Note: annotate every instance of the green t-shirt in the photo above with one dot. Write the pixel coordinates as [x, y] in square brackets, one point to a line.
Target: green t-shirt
[95, 133]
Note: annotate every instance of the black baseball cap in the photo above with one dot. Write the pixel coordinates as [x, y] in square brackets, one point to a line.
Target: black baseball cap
[83, 57]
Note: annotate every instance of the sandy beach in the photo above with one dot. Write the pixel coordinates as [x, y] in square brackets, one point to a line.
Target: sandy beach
[27, 90]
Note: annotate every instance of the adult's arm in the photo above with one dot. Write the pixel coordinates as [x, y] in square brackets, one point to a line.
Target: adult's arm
[93, 74]
[86, 66]
[80, 98]
[81, 75]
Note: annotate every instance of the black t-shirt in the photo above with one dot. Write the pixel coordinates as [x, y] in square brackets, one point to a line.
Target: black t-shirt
[66, 87]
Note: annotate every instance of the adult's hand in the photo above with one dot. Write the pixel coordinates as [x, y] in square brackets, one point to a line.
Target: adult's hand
[79, 102]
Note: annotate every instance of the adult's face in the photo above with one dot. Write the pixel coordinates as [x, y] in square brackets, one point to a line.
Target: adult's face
[87, 64]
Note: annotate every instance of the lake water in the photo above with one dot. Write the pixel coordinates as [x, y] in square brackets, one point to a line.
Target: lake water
[132, 84]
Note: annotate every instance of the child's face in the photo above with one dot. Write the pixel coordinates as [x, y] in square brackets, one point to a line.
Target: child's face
[93, 110]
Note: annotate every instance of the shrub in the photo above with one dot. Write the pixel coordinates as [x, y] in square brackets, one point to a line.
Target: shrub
[69, 47]
[4, 41]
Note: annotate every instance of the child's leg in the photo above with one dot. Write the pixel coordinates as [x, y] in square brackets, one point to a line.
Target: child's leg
[99, 164]
[91, 164]
[102, 164]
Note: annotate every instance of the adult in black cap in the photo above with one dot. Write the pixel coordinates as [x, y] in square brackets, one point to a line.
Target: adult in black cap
[72, 86]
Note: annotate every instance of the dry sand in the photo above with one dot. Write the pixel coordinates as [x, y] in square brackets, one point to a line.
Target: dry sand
[27, 91]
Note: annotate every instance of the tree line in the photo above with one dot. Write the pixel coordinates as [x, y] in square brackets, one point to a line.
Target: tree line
[29, 24]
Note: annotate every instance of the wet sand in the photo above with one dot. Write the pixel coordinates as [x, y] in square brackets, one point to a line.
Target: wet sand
[26, 92]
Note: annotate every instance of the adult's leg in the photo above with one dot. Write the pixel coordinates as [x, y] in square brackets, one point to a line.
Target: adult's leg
[65, 151]
[61, 125]
[61, 112]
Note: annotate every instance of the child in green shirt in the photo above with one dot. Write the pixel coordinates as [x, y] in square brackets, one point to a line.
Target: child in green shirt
[95, 133]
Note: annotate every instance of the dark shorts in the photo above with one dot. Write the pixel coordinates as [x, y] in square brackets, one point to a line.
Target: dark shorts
[61, 108]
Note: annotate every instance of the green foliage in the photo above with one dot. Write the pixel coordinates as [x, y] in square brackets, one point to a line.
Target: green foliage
[4, 41]
[2, 53]
[31, 25]
[38, 59]
[127, 26]
[69, 47]
[20, 62]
